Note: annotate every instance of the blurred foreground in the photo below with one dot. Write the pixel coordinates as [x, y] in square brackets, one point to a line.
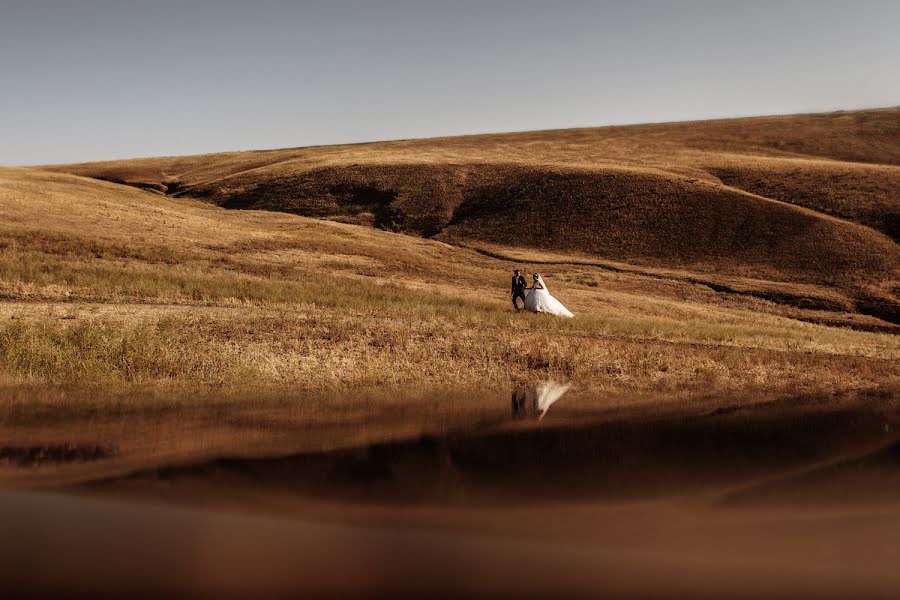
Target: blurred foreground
[457, 492]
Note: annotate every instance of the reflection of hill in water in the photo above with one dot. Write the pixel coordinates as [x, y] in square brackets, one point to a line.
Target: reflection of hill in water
[692, 498]
[844, 480]
[626, 459]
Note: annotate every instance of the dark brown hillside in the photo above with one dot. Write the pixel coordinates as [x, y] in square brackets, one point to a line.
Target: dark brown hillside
[623, 214]
[860, 193]
[414, 198]
[650, 218]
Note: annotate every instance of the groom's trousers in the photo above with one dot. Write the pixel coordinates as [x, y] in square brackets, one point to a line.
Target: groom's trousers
[518, 294]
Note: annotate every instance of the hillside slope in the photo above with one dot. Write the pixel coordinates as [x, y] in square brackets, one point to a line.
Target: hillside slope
[101, 282]
[808, 198]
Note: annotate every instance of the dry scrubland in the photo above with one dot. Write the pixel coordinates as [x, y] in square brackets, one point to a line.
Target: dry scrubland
[699, 258]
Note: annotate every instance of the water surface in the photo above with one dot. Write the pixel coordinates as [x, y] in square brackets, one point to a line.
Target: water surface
[485, 493]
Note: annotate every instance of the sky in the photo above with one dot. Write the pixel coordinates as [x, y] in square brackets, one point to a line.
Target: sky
[92, 80]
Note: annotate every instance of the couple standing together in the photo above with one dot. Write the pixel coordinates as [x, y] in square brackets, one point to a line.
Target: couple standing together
[538, 298]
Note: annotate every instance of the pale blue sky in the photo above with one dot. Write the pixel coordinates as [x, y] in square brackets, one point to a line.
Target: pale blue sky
[88, 80]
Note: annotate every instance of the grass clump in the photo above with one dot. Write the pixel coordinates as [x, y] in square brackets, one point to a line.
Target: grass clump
[102, 351]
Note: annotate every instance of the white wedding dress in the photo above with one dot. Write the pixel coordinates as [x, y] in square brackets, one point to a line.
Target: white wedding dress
[540, 300]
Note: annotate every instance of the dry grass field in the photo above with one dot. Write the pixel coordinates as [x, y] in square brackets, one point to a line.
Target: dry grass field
[698, 258]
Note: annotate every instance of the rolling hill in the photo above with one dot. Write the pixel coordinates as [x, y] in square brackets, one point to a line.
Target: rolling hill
[807, 199]
[110, 284]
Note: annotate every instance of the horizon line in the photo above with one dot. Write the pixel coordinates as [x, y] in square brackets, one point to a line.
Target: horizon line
[732, 117]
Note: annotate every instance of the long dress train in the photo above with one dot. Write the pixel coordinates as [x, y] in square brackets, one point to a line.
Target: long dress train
[540, 300]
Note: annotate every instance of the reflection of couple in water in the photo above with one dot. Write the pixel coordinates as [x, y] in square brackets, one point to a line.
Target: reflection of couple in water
[535, 400]
[538, 298]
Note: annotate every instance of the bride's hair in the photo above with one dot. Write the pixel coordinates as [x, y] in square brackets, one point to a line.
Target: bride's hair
[537, 275]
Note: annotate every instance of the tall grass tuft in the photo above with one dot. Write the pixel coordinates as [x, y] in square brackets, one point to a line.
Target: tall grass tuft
[99, 351]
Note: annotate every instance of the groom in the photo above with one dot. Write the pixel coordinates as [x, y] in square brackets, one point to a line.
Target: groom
[518, 289]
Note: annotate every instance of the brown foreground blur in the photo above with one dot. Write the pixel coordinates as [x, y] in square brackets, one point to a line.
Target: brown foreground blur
[449, 493]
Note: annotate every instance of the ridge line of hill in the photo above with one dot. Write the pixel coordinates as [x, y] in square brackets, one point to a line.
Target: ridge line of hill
[806, 209]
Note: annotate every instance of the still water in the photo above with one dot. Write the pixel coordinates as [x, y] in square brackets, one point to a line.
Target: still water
[538, 489]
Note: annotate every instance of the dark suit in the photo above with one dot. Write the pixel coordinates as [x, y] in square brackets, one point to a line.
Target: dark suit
[518, 290]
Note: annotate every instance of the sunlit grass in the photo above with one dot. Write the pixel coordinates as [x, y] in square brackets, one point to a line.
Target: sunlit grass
[102, 352]
[127, 289]
[108, 281]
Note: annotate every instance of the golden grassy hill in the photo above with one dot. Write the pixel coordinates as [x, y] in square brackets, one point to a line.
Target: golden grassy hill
[804, 199]
[106, 284]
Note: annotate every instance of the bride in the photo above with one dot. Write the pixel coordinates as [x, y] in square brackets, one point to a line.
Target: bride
[540, 300]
